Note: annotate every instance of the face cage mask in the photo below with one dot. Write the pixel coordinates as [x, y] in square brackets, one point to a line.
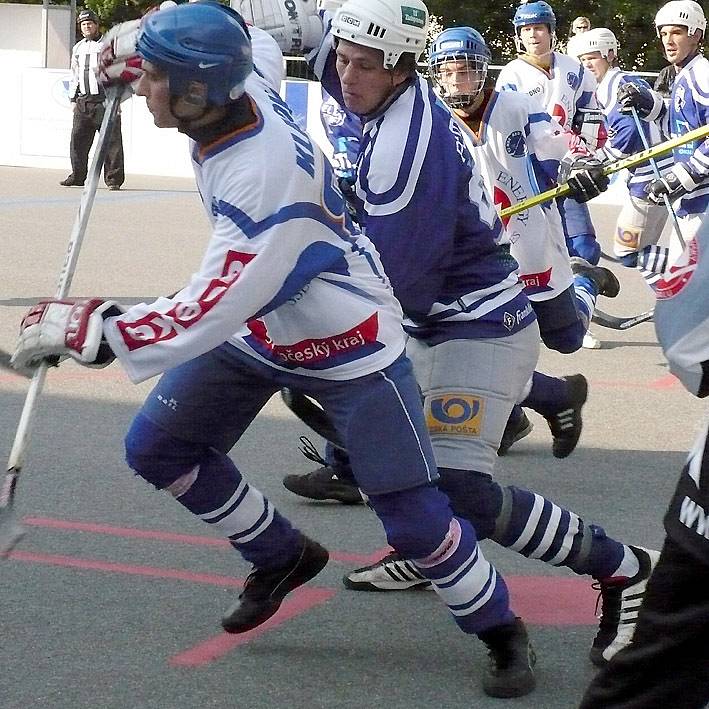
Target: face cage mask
[475, 64]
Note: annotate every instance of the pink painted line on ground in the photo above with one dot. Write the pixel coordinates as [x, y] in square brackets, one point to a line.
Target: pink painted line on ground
[130, 569]
[301, 601]
[156, 535]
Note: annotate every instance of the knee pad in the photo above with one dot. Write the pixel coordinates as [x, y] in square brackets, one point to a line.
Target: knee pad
[586, 246]
[630, 260]
[473, 496]
[402, 514]
[157, 456]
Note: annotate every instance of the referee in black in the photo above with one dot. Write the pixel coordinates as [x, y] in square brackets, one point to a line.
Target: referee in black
[87, 95]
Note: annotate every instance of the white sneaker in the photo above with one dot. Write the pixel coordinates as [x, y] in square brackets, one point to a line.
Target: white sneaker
[590, 342]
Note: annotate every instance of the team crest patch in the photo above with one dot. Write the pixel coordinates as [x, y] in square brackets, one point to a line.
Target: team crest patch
[413, 16]
[514, 145]
[455, 414]
[572, 80]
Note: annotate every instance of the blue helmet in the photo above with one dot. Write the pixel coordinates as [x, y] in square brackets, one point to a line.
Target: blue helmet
[534, 13]
[202, 42]
[457, 63]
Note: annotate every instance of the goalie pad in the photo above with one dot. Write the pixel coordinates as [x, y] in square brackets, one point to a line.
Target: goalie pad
[56, 329]
[294, 24]
[590, 126]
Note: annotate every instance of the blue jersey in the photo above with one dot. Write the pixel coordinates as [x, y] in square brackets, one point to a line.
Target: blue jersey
[689, 109]
[421, 199]
[623, 136]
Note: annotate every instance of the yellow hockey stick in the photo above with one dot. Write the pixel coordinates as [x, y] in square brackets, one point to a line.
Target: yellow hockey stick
[630, 161]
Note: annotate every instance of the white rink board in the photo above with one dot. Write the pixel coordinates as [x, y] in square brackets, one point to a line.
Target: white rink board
[36, 124]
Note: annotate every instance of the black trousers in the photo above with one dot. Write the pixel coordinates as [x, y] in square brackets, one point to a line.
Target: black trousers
[86, 124]
[667, 664]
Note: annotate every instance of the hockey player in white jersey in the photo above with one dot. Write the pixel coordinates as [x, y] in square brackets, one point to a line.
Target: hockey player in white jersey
[473, 349]
[522, 151]
[640, 222]
[566, 91]
[681, 26]
[288, 293]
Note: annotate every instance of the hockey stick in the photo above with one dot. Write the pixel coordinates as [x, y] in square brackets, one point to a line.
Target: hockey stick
[10, 529]
[630, 161]
[617, 323]
[658, 176]
[311, 414]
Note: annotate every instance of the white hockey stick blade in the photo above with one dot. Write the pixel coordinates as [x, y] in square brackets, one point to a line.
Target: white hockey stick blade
[614, 322]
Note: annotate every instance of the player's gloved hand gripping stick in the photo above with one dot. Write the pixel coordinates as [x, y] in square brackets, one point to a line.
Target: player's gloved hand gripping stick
[10, 529]
[631, 161]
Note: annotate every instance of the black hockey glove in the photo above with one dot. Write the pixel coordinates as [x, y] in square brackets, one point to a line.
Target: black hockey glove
[584, 177]
[639, 97]
[674, 183]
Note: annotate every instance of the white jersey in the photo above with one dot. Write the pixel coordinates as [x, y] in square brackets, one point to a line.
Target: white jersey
[564, 89]
[519, 147]
[623, 136]
[285, 277]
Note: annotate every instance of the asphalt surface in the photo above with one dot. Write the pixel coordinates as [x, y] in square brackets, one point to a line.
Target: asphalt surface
[113, 598]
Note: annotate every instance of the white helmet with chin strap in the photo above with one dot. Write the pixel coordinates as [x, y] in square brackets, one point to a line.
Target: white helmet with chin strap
[599, 39]
[683, 13]
[395, 27]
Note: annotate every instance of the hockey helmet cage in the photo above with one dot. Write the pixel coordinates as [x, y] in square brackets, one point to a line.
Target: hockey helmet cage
[395, 27]
[202, 42]
[459, 44]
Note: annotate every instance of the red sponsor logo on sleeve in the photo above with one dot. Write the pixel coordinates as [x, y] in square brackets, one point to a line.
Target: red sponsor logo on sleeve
[536, 280]
[157, 327]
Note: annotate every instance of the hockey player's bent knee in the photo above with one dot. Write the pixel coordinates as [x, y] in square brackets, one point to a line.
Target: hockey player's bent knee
[163, 460]
[586, 246]
[566, 339]
[473, 496]
[415, 520]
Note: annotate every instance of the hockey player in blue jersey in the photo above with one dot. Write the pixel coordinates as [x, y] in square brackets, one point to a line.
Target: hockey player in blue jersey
[566, 90]
[640, 222]
[474, 340]
[681, 26]
[288, 293]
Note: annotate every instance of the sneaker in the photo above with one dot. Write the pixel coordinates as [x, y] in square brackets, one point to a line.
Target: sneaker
[114, 188]
[515, 430]
[323, 484]
[392, 573]
[605, 280]
[510, 672]
[620, 600]
[590, 341]
[265, 589]
[71, 181]
[566, 425]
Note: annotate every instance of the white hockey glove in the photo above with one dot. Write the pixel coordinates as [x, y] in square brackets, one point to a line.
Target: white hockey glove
[674, 183]
[646, 102]
[53, 330]
[584, 176]
[589, 124]
[119, 64]
[294, 24]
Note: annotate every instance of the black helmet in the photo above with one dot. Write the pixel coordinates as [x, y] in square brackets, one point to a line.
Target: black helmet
[86, 15]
